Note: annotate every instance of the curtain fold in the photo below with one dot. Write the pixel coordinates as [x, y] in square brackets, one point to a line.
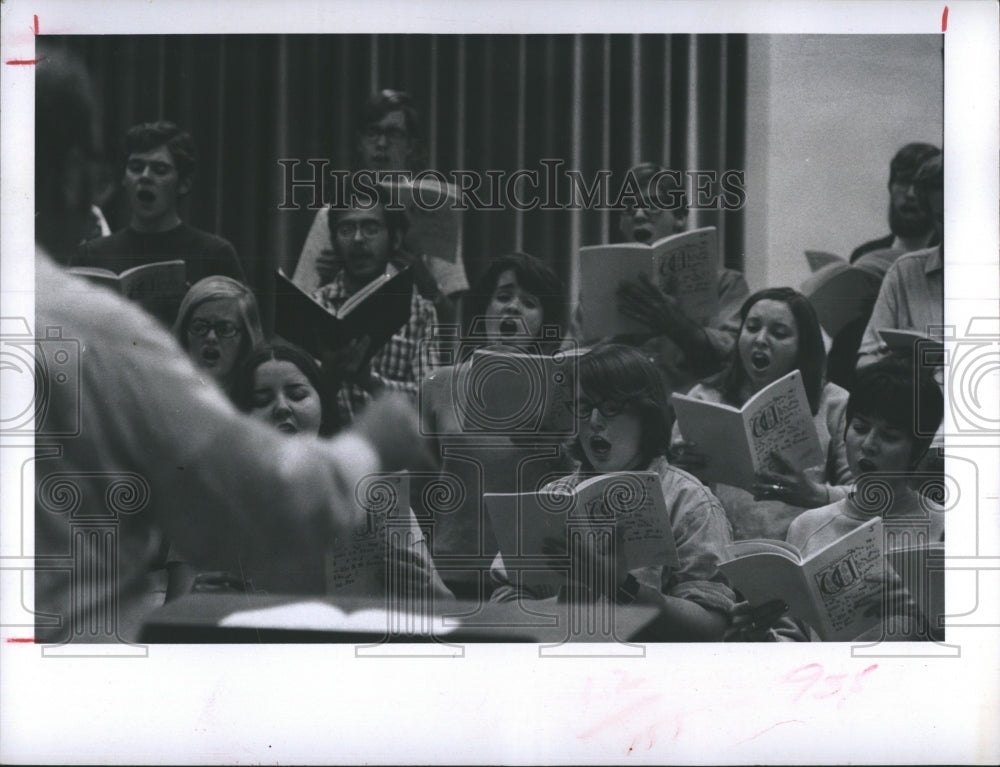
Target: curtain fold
[490, 102]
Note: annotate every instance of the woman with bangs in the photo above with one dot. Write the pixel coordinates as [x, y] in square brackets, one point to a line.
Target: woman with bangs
[623, 426]
[779, 333]
[218, 324]
[516, 306]
[282, 385]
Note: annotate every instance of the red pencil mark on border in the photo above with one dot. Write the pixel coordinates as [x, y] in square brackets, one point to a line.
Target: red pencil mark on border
[21, 640]
[27, 62]
[615, 718]
[944, 20]
[768, 729]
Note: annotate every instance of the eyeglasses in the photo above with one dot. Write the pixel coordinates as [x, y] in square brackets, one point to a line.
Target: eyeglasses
[349, 229]
[608, 408]
[652, 211]
[222, 328]
[392, 134]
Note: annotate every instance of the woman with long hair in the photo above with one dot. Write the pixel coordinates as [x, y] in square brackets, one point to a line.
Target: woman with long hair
[779, 333]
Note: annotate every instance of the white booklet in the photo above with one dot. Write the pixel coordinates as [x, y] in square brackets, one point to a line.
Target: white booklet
[683, 265]
[739, 441]
[527, 525]
[836, 590]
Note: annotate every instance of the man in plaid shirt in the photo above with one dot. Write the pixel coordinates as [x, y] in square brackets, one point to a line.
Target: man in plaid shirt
[367, 243]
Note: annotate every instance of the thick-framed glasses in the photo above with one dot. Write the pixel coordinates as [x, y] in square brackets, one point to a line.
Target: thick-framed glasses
[222, 328]
[652, 211]
[349, 229]
[392, 134]
[608, 408]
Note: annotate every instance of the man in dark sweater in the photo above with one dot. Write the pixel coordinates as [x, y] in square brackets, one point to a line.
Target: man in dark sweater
[160, 163]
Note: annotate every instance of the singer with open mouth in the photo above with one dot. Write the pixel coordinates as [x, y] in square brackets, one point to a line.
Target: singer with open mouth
[779, 333]
[509, 309]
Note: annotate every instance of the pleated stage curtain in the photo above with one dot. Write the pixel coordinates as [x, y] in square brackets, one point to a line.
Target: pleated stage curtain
[501, 103]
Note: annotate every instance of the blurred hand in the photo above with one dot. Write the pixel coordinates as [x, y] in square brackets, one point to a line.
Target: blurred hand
[413, 571]
[644, 302]
[391, 424]
[344, 364]
[892, 599]
[327, 265]
[603, 553]
[789, 485]
[752, 624]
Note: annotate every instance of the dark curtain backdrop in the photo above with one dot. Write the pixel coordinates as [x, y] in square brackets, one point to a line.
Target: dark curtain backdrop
[489, 101]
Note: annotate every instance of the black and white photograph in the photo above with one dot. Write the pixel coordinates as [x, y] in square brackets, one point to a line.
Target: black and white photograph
[500, 383]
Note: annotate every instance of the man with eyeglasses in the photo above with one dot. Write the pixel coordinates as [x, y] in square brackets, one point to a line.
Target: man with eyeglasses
[912, 293]
[130, 439]
[684, 349]
[366, 242]
[910, 225]
[159, 167]
[390, 139]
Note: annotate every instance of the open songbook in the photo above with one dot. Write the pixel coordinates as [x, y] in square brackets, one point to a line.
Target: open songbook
[908, 342]
[434, 222]
[378, 310]
[841, 293]
[837, 590]
[683, 265]
[529, 526]
[817, 259]
[739, 441]
[505, 391]
[158, 287]
[357, 564]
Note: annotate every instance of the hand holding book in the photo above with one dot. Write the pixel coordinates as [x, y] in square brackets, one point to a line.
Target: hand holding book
[642, 301]
[753, 624]
[790, 485]
[603, 564]
[347, 363]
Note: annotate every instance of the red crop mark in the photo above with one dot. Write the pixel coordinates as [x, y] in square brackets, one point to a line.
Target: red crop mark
[944, 19]
[21, 640]
[27, 62]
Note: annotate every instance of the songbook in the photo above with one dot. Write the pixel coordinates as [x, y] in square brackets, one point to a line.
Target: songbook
[158, 287]
[836, 590]
[320, 616]
[378, 310]
[356, 563]
[505, 391]
[530, 526]
[683, 265]
[434, 224]
[907, 342]
[817, 259]
[840, 293]
[739, 441]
